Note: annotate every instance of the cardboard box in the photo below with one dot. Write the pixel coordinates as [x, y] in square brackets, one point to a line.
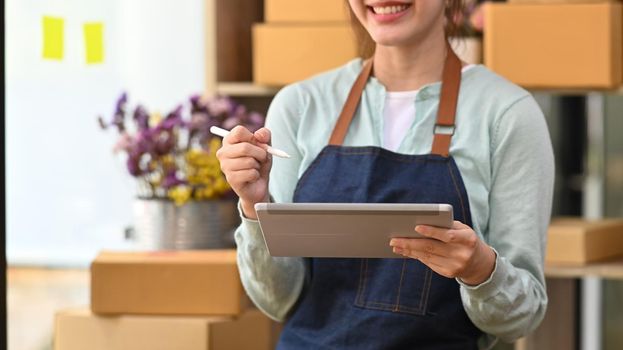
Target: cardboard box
[305, 11]
[283, 54]
[577, 241]
[167, 283]
[79, 329]
[555, 45]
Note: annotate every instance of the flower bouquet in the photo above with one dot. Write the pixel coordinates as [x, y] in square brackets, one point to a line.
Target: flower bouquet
[184, 201]
[175, 157]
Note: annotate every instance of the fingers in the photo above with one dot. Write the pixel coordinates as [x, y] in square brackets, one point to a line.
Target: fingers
[241, 177]
[262, 135]
[242, 134]
[242, 150]
[238, 134]
[425, 249]
[420, 246]
[432, 253]
[242, 163]
[458, 232]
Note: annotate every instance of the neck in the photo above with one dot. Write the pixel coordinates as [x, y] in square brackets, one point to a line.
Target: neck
[404, 68]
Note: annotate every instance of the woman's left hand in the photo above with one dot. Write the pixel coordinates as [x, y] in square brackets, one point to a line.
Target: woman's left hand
[456, 252]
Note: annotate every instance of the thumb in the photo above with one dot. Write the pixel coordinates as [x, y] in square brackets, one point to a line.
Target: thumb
[262, 136]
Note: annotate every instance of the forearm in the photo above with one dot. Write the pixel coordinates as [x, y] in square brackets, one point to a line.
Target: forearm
[273, 284]
[509, 304]
[513, 301]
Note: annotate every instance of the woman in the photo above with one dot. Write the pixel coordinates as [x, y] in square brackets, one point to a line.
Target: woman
[411, 124]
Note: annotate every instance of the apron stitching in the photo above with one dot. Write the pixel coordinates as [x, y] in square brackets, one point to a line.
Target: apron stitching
[390, 307]
[362, 280]
[456, 187]
[397, 157]
[402, 274]
[426, 289]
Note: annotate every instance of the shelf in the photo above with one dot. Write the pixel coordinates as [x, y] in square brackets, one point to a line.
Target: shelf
[246, 89]
[612, 269]
[576, 91]
[250, 89]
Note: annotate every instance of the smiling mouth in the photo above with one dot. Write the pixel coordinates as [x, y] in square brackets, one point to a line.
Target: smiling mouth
[389, 9]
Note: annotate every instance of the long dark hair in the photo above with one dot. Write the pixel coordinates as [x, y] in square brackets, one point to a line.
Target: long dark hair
[366, 45]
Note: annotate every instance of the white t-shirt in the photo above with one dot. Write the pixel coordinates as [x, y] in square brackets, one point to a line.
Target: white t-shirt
[399, 115]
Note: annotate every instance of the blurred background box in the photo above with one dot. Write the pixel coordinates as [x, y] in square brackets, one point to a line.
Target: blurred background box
[577, 241]
[198, 282]
[555, 45]
[305, 11]
[79, 329]
[280, 57]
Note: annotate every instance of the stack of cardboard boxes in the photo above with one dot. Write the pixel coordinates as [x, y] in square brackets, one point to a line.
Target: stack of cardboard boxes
[556, 44]
[306, 37]
[183, 300]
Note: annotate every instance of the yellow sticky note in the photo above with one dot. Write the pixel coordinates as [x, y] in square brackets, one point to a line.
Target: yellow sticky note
[94, 42]
[53, 37]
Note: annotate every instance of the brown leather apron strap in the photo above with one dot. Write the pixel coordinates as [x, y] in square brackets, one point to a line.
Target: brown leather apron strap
[444, 127]
[348, 111]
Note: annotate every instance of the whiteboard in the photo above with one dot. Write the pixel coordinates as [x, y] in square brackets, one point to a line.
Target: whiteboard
[68, 196]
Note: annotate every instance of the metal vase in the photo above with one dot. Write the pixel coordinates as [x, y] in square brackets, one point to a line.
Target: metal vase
[161, 225]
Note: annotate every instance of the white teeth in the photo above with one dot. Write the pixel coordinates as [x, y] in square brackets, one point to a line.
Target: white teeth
[387, 10]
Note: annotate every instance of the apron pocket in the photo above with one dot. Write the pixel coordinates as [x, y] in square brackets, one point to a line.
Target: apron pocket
[396, 285]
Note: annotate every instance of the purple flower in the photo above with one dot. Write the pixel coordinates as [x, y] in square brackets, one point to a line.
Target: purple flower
[231, 122]
[133, 164]
[141, 117]
[219, 106]
[118, 114]
[156, 150]
[199, 120]
[164, 142]
[254, 121]
[172, 120]
[124, 143]
[171, 180]
[197, 105]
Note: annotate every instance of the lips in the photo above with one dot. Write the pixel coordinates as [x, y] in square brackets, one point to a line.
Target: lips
[385, 12]
[388, 9]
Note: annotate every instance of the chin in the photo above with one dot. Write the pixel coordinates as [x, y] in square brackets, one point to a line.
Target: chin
[392, 40]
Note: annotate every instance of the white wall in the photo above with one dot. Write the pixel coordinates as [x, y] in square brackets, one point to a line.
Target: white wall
[67, 195]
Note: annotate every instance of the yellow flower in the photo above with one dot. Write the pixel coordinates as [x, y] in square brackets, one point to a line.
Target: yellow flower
[153, 165]
[155, 118]
[191, 155]
[203, 172]
[179, 194]
[214, 145]
[168, 162]
[155, 180]
[194, 179]
[221, 185]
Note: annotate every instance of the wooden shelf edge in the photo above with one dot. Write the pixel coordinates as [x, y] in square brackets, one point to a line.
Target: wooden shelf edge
[245, 89]
[612, 269]
[575, 91]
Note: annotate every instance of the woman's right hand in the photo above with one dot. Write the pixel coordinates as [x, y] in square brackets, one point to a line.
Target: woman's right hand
[246, 165]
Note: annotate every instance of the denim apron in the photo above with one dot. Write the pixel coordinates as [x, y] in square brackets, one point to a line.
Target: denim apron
[383, 303]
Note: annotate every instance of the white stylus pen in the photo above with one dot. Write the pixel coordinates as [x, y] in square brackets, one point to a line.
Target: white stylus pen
[274, 151]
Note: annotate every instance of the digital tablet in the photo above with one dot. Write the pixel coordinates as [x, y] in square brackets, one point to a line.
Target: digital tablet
[344, 230]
